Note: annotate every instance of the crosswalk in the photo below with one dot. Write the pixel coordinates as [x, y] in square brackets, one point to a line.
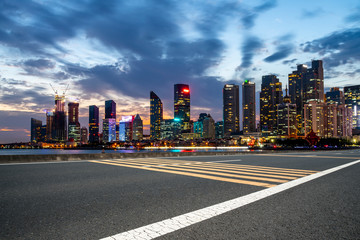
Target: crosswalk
[228, 172]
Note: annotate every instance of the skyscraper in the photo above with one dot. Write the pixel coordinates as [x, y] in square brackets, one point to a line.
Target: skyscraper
[335, 96]
[306, 85]
[50, 126]
[73, 121]
[109, 130]
[137, 128]
[270, 98]
[35, 130]
[110, 109]
[60, 118]
[249, 110]
[156, 116]
[231, 109]
[286, 118]
[84, 135]
[219, 129]
[126, 128]
[182, 105]
[93, 124]
[352, 101]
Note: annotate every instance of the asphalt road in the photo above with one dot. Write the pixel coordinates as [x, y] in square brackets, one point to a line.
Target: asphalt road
[94, 200]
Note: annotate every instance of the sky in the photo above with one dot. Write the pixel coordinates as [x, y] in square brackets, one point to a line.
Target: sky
[122, 50]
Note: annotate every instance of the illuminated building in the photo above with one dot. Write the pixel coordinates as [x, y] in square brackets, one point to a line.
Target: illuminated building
[231, 109]
[137, 128]
[109, 130]
[306, 85]
[50, 126]
[60, 118]
[314, 118]
[286, 118]
[156, 116]
[126, 128]
[73, 122]
[205, 126]
[208, 127]
[335, 96]
[170, 129]
[182, 105]
[93, 124]
[270, 98]
[110, 109]
[219, 130]
[117, 131]
[84, 135]
[249, 111]
[352, 101]
[35, 130]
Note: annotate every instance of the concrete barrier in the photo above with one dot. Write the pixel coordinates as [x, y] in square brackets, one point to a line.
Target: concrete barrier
[99, 156]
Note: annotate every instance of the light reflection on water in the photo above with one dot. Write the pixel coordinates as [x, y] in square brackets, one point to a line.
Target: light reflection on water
[83, 151]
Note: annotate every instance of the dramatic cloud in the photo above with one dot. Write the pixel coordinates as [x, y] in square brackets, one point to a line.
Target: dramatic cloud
[337, 48]
[249, 48]
[249, 16]
[292, 61]
[282, 51]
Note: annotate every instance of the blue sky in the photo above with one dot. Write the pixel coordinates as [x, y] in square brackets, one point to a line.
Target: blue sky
[122, 50]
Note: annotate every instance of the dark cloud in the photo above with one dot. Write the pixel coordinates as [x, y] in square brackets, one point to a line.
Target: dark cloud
[337, 48]
[354, 17]
[249, 48]
[40, 64]
[282, 51]
[249, 16]
[292, 61]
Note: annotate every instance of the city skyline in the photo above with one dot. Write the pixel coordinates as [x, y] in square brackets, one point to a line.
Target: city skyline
[156, 50]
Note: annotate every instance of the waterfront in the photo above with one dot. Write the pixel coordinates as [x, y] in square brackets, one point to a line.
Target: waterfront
[94, 151]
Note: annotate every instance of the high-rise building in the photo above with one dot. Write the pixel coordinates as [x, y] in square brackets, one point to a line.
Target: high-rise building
[109, 130]
[270, 98]
[50, 126]
[306, 85]
[126, 128]
[208, 127]
[286, 118]
[137, 128]
[110, 109]
[231, 109]
[73, 122]
[60, 118]
[219, 129]
[170, 129]
[352, 101]
[335, 96]
[156, 116]
[182, 105]
[93, 124]
[249, 110]
[315, 117]
[84, 135]
[35, 130]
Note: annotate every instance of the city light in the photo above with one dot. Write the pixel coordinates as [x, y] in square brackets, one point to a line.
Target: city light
[186, 90]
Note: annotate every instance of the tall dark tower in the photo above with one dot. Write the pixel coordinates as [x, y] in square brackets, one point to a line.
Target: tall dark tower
[182, 105]
[93, 124]
[270, 97]
[110, 109]
[249, 110]
[60, 118]
[73, 121]
[315, 82]
[231, 109]
[156, 115]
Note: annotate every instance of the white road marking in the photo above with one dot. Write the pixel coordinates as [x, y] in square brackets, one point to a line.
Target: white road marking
[239, 160]
[173, 224]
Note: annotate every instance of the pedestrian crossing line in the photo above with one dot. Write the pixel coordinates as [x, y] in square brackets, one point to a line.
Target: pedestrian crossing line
[209, 172]
[300, 171]
[260, 169]
[217, 169]
[253, 183]
[277, 171]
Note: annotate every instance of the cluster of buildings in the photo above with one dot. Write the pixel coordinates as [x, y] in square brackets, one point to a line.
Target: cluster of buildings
[302, 109]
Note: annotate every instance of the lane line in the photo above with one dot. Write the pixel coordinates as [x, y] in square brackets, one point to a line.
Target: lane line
[161, 228]
[259, 184]
[34, 163]
[181, 169]
[303, 156]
